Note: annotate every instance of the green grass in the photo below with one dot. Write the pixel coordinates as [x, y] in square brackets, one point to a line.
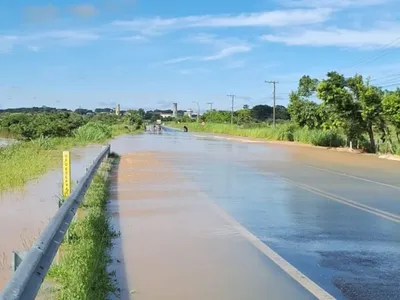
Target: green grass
[81, 273]
[24, 161]
[27, 160]
[121, 129]
[282, 132]
[93, 132]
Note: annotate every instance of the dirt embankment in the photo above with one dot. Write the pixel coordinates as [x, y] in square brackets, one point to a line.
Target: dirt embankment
[297, 144]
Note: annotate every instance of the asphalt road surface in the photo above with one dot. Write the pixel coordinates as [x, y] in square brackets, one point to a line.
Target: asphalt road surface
[332, 216]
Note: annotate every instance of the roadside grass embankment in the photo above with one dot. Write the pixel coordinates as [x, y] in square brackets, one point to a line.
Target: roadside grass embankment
[282, 132]
[26, 160]
[81, 272]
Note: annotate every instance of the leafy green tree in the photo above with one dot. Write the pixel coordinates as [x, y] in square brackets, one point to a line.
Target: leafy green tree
[355, 103]
[391, 109]
[141, 113]
[217, 116]
[307, 86]
[243, 116]
[135, 118]
[304, 112]
[261, 112]
[281, 113]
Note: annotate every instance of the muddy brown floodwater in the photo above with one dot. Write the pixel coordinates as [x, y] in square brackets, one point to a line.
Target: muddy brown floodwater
[175, 245]
[25, 212]
[333, 216]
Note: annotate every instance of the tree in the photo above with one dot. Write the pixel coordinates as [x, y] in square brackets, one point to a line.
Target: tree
[135, 118]
[243, 116]
[281, 113]
[336, 96]
[304, 112]
[355, 103]
[307, 86]
[141, 113]
[217, 116]
[261, 112]
[391, 109]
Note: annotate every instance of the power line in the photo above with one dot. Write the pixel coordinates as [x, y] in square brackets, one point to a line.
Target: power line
[384, 50]
[390, 85]
[392, 77]
[233, 103]
[273, 112]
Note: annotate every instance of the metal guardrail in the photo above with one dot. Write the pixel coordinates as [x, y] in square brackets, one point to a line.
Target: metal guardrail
[26, 281]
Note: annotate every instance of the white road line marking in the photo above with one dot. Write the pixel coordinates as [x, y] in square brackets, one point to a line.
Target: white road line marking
[302, 279]
[352, 203]
[354, 177]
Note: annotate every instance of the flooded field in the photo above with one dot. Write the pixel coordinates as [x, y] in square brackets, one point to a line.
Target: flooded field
[25, 212]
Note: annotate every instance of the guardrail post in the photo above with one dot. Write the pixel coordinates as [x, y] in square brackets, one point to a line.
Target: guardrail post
[17, 258]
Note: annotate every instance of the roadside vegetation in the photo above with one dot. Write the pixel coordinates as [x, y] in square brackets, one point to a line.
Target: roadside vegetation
[42, 135]
[81, 272]
[335, 111]
[281, 132]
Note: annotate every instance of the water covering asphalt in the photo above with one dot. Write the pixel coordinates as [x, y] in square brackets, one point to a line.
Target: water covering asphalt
[351, 253]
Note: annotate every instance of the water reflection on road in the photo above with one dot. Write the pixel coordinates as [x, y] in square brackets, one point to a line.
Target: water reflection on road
[351, 253]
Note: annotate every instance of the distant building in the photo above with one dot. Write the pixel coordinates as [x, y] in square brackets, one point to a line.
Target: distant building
[188, 113]
[166, 114]
[118, 110]
[175, 110]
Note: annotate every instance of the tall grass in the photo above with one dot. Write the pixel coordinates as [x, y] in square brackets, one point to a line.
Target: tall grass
[82, 269]
[282, 132]
[119, 129]
[24, 161]
[93, 132]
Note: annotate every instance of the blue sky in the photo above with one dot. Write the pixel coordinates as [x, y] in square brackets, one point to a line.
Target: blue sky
[151, 53]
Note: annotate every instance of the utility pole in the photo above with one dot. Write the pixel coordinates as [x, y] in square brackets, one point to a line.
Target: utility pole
[273, 112]
[233, 103]
[210, 104]
[198, 110]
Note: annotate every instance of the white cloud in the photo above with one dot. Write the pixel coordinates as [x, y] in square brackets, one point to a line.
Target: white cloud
[34, 48]
[279, 18]
[68, 35]
[332, 3]
[202, 38]
[133, 38]
[178, 60]
[221, 54]
[65, 37]
[337, 37]
[7, 43]
[237, 64]
[229, 51]
[84, 10]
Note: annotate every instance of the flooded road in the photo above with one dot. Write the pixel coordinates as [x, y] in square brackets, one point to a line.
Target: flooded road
[333, 216]
[24, 213]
